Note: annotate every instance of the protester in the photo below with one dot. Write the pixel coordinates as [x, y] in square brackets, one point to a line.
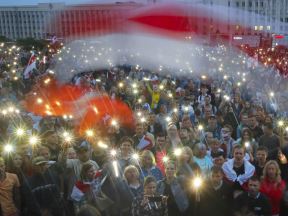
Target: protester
[42, 190]
[203, 113]
[9, 191]
[149, 204]
[202, 159]
[238, 170]
[88, 189]
[174, 188]
[270, 141]
[252, 202]
[185, 164]
[148, 166]
[272, 185]
[217, 193]
[132, 176]
[260, 160]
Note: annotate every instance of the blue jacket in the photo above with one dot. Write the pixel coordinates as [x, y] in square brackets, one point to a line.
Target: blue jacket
[154, 171]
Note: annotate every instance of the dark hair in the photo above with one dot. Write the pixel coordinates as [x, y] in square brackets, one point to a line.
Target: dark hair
[148, 180]
[219, 154]
[237, 146]
[197, 112]
[255, 178]
[262, 148]
[216, 169]
[126, 139]
[161, 134]
[246, 130]
[84, 170]
[228, 126]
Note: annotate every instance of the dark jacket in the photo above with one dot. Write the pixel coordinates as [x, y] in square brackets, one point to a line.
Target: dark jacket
[41, 192]
[216, 202]
[150, 209]
[260, 205]
[178, 192]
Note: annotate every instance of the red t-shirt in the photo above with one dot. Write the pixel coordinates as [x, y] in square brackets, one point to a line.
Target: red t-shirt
[274, 191]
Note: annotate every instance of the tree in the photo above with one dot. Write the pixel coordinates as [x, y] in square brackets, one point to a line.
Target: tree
[4, 39]
[31, 43]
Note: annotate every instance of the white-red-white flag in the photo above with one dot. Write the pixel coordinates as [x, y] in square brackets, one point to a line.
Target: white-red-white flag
[30, 66]
[145, 143]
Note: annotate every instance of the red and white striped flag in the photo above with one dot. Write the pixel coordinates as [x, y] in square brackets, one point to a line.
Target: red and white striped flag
[30, 66]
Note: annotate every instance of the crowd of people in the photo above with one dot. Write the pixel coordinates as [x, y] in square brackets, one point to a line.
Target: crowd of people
[198, 146]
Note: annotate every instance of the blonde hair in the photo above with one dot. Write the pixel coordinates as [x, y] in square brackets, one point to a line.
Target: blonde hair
[150, 154]
[189, 151]
[278, 171]
[129, 168]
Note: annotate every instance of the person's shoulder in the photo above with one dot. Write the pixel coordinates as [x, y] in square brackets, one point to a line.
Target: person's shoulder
[11, 175]
[73, 160]
[263, 198]
[242, 197]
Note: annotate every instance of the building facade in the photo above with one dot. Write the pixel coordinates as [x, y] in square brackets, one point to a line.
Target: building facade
[39, 20]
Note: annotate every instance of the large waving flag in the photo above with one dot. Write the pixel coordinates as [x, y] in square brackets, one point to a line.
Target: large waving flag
[30, 66]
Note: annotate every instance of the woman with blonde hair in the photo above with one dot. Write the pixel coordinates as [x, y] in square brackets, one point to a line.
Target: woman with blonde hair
[132, 177]
[148, 166]
[273, 186]
[186, 166]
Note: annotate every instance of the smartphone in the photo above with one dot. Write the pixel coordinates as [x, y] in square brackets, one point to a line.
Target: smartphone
[155, 198]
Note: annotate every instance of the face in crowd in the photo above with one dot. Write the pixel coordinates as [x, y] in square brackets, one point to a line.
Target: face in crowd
[83, 155]
[131, 174]
[161, 142]
[253, 186]
[216, 178]
[239, 155]
[261, 156]
[126, 148]
[150, 189]
[170, 170]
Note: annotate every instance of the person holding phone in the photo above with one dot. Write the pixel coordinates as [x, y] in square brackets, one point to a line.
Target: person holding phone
[150, 204]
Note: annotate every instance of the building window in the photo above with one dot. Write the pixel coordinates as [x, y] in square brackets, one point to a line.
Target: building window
[237, 4]
[256, 28]
[286, 19]
[250, 4]
[243, 4]
[260, 28]
[268, 28]
[229, 3]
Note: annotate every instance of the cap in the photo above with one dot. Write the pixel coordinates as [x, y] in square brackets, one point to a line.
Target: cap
[84, 146]
[39, 160]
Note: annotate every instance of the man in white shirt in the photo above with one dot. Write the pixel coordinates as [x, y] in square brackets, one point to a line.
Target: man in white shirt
[83, 154]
